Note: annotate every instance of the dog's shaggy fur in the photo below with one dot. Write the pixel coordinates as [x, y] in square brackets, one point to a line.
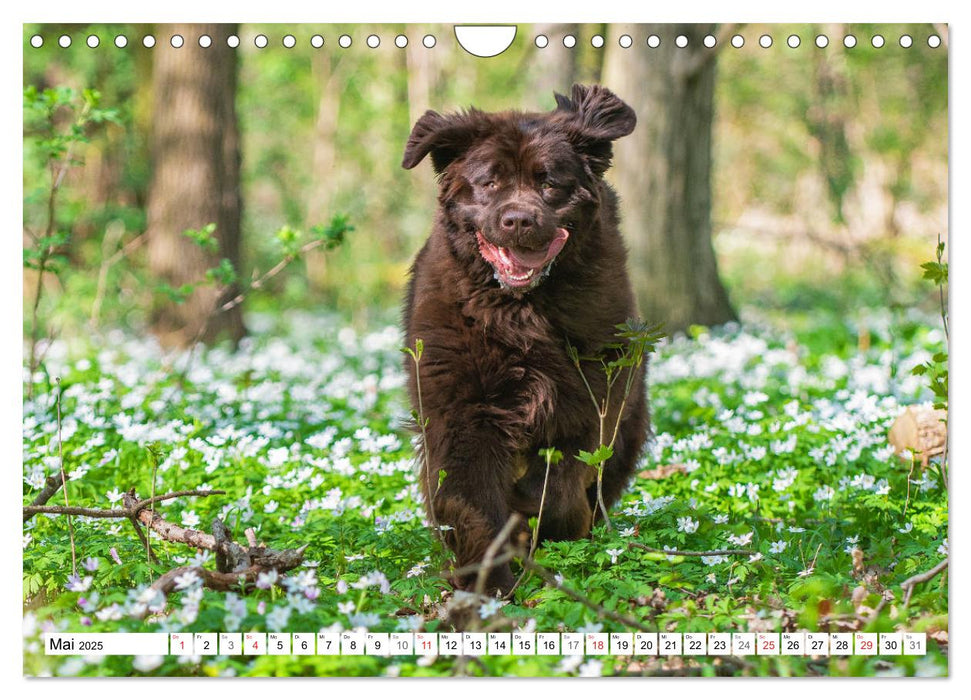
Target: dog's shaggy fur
[525, 257]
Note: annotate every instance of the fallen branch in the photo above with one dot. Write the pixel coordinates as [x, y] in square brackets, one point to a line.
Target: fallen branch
[51, 486]
[213, 580]
[230, 556]
[476, 567]
[583, 600]
[886, 598]
[682, 553]
[910, 583]
[126, 512]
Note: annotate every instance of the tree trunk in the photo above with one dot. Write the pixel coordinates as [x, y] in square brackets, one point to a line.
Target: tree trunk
[195, 181]
[663, 173]
[326, 72]
[551, 69]
[424, 74]
[827, 120]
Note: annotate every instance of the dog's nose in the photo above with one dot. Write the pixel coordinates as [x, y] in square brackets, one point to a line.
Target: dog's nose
[515, 220]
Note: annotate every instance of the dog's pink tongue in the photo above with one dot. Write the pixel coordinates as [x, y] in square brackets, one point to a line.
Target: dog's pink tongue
[538, 258]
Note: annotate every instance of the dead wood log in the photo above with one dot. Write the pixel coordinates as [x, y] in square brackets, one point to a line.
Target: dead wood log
[229, 554]
[213, 580]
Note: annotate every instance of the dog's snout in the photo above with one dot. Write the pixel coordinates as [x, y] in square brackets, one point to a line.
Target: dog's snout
[517, 221]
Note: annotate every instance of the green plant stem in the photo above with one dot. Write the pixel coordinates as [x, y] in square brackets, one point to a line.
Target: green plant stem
[542, 503]
[67, 504]
[601, 409]
[416, 357]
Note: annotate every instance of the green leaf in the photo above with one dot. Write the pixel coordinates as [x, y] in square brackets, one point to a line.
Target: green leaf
[417, 352]
[334, 232]
[224, 273]
[551, 455]
[597, 457]
[204, 237]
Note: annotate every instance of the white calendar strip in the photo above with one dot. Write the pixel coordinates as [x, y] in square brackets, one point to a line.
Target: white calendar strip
[105, 644]
[489, 644]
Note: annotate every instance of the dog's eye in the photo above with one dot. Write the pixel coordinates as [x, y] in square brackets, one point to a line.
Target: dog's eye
[546, 185]
[490, 185]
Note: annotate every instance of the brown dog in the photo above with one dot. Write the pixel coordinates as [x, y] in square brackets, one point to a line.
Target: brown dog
[525, 258]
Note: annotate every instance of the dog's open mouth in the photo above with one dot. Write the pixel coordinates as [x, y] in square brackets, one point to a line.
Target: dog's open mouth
[519, 267]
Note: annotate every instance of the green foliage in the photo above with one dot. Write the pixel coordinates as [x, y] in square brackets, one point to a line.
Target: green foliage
[334, 233]
[597, 457]
[205, 238]
[636, 340]
[224, 274]
[551, 455]
[415, 353]
[58, 118]
[641, 339]
[936, 271]
[936, 369]
[41, 257]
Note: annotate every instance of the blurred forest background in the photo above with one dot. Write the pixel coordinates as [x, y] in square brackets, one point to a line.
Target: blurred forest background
[801, 181]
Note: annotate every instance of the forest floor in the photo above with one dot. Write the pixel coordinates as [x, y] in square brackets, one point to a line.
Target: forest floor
[771, 444]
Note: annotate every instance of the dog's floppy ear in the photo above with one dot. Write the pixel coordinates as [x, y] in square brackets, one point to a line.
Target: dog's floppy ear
[596, 118]
[444, 137]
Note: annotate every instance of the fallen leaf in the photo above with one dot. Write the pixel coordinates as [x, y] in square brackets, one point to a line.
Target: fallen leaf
[663, 471]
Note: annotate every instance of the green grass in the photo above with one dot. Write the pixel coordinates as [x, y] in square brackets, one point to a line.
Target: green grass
[780, 435]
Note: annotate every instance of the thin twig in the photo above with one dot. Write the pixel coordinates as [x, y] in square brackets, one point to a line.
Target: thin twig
[912, 582]
[601, 410]
[141, 536]
[273, 272]
[539, 519]
[476, 567]
[583, 600]
[148, 535]
[218, 308]
[31, 510]
[57, 177]
[60, 456]
[493, 549]
[51, 486]
[175, 494]
[872, 617]
[682, 553]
